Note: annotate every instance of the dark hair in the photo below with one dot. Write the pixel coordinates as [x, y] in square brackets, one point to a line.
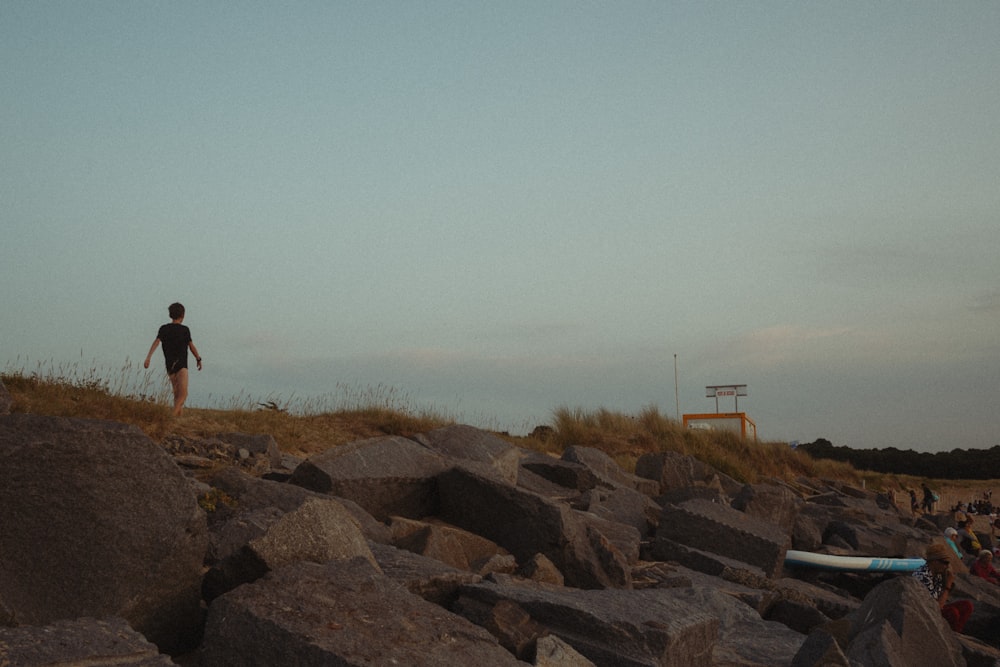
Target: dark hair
[176, 311]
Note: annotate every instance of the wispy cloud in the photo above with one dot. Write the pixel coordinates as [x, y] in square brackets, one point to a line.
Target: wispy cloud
[987, 302]
[786, 342]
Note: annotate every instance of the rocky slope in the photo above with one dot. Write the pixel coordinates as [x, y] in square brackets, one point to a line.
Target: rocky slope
[449, 548]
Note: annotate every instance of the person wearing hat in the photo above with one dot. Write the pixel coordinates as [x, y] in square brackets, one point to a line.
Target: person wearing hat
[983, 567]
[936, 576]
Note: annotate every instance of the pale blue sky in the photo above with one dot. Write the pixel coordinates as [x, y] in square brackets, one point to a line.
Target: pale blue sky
[503, 208]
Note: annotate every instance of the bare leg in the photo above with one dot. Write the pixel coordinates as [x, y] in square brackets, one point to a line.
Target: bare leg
[179, 382]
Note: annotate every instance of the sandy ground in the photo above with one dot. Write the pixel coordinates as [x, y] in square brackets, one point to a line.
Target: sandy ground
[969, 491]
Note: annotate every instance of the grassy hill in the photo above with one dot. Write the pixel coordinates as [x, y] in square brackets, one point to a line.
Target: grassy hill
[306, 427]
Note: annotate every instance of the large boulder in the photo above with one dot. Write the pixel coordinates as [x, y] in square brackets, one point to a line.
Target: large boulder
[79, 642]
[897, 625]
[450, 545]
[98, 521]
[674, 471]
[319, 530]
[623, 505]
[607, 471]
[249, 493]
[718, 529]
[429, 578]
[771, 502]
[608, 627]
[386, 476]
[744, 637]
[469, 444]
[526, 524]
[567, 474]
[339, 613]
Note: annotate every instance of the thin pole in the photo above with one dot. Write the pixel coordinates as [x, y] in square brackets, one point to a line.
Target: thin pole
[677, 396]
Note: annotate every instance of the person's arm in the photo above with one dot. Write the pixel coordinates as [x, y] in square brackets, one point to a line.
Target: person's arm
[194, 351]
[949, 583]
[152, 349]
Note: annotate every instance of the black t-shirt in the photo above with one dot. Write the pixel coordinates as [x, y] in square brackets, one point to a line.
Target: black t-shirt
[175, 339]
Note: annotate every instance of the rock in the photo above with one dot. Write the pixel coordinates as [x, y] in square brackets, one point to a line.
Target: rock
[550, 651]
[98, 521]
[608, 472]
[744, 637]
[567, 474]
[807, 530]
[339, 613]
[719, 529]
[673, 470]
[845, 534]
[317, 531]
[828, 603]
[260, 444]
[898, 624]
[208, 453]
[83, 641]
[977, 653]
[773, 503]
[699, 560]
[542, 570]
[530, 481]
[624, 506]
[525, 524]
[465, 443]
[386, 476]
[821, 649]
[608, 627]
[430, 579]
[450, 545]
[253, 493]
[797, 615]
[507, 621]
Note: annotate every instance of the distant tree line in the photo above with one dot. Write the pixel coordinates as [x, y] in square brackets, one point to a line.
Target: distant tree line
[956, 464]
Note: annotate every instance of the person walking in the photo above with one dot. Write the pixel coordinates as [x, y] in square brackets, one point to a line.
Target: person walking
[176, 340]
[929, 499]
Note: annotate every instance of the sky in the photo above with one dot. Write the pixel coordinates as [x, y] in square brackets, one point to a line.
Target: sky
[497, 210]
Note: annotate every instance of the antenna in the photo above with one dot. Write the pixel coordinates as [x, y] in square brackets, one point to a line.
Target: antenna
[677, 396]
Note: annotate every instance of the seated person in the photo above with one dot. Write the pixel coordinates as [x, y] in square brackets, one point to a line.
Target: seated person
[960, 513]
[951, 539]
[968, 540]
[936, 576]
[983, 567]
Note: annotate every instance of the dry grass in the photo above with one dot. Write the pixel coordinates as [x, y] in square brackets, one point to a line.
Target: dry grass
[305, 426]
[131, 396]
[627, 437]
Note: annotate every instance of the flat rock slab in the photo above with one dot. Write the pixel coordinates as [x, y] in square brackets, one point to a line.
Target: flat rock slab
[610, 627]
[85, 642]
[339, 613]
[430, 579]
[700, 561]
[720, 529]
[609, 472]
[469, 444]
[385, 476]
